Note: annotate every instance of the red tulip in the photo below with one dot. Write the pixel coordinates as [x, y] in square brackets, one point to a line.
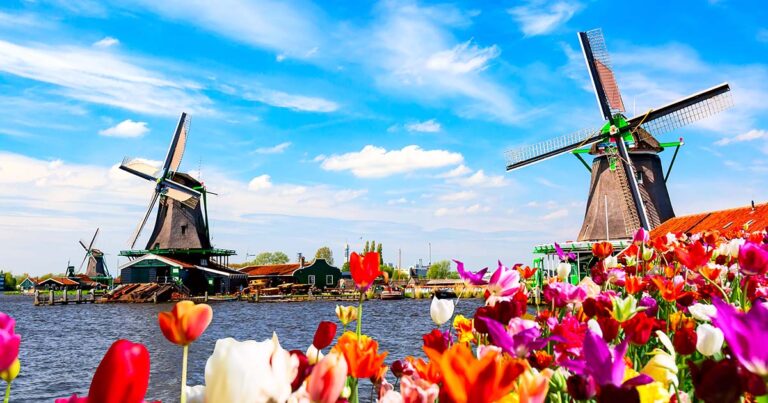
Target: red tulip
[324, 335]
[303, 370]
[694, 256]
[185, 322]
[364, 269]
[122, 376]
[602, 250]
[639, 328]
[753, 259]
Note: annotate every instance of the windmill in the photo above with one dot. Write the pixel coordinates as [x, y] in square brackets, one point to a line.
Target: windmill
[180, 222]
[97, 267]
[628, 187]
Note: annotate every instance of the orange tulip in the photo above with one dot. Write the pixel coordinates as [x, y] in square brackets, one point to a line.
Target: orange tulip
[602, 250]
[464, 329]
[327, 379]
[526, 272]
[426, 370]
[533, 385]
[634, 284]
[669, 290]
[185, 322]
[364, 269]
[466, 378]
[361, 354]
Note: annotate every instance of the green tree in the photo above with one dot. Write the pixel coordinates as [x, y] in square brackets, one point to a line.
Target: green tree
[265, 258]
[367, 248]
[325, 253]
[439, 270]
[381, 255]
[10, 281]
[345, 267]
[389, 270]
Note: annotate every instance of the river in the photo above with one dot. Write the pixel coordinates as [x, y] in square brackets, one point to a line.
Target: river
[61, 346]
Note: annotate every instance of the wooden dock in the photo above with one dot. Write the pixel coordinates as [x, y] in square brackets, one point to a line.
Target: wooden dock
[52, 297]
[255, 298]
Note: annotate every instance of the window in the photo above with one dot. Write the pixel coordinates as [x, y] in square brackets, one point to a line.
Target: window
[183, 229]
[329, 279]
[639, 176]
[311, 279]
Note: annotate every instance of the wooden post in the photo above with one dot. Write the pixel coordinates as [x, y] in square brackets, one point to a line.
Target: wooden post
[65, 302]
[50, 295]
[206, 296]
[258, 292]
[79, 295]
[154, 298]
[37, 297]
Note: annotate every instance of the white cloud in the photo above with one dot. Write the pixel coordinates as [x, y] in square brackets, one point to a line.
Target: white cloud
[462, 58]
[377, 162]
[102, 77]
[427, 126]
[277, 149]
[458, 196]
[291, 101]
[346, 195]
[539, 18]
[557, 214]
[106, 42]
[260, 182]
[480, 179]
[401, 200]
[473, 209]
[280, 57]
[126, 128]
[460, 170]
[753, 134]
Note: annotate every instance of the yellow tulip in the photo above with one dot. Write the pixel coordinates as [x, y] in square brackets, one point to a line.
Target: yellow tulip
[346, 314]
[12, 372]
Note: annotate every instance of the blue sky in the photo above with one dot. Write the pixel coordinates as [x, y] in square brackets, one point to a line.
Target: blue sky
[321, 123]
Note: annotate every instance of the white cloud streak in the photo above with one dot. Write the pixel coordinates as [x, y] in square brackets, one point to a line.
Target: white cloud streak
[427, 126]
[276, 149]
[294, 102]
[377, 162]
[540, 18]
[127, 128]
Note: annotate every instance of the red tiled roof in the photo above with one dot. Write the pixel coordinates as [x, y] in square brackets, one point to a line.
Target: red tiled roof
[60, 281]
[725, 221]
[271, 269]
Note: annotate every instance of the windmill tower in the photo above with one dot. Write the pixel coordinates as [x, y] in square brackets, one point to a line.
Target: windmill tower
[97, 267]
[628, 186]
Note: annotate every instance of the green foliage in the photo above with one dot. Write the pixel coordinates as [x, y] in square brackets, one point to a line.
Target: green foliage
[325, 253]
[388, 269]
[345, 266]
[10, 281]
[265, 258]
[400, 275]
[367, 248]
[381, 255]
[439, 270]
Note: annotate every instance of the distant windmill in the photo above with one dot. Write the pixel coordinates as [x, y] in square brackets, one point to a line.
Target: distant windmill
[625, 193]
[180, 222]
[97, 267]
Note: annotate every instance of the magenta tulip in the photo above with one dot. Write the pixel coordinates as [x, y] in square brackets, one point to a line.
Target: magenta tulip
[9, 341]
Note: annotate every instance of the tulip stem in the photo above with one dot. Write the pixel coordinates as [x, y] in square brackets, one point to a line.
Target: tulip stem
[184, 374]
[7, 397]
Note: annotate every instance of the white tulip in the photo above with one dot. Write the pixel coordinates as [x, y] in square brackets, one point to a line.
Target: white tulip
[702, 312]
[709, 339]
[611, 262]
[314, 355]
[441, 310]
[563, 270]
[240, 371]
[595, 327]
[733, 247]
[195, 394]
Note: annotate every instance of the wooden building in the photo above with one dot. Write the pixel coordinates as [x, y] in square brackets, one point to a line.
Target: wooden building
[728, 222]
[28, 284]
[214, 278]
[318, 273]
[57, 283]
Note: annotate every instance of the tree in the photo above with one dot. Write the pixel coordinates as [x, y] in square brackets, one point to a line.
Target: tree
[345, 267]
[325, 253]
[10, 282]
[265, 258]
[367, 248]
[381, 255]
[439, 270]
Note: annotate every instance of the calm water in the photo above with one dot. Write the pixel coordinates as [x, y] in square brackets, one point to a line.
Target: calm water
[61, 346]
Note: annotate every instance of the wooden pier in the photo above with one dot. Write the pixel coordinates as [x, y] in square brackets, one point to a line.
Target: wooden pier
[52, 297]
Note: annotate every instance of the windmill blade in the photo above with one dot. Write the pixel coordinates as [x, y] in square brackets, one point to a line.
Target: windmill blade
[178, 143]
[183, 197]
[601, 73]
[83, 262]
[139, 168]
[532, 154]
[136, 233]
[90, 247]
[83, 245]
[685, 111]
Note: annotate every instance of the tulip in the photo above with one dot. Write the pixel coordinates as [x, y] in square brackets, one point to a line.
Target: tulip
[437, 340]
[744, 333]
[563, 270]
[702, 312]
[662, 367]
[533, 385]
[361, 353]
[303, 369]
[602, 250]
[464, 329]
[346, 314]
[709, 339]
[753, 259]
[9, 341]
[121, 377]
[364, 269]
[195, 394]
[416, 390]
[324, 335]
[641, 236]
[8, 376]
[611, 262]
[504, 283]
[314, 355]
[183, 325]
[327, 379]
[469, 277]
[239, 371]
[441, 310]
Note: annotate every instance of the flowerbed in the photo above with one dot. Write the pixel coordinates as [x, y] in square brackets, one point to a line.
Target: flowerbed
[677, 318]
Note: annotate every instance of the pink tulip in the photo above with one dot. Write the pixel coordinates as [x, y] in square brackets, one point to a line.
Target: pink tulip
[418, 390]
[9, 341]
[327, 379]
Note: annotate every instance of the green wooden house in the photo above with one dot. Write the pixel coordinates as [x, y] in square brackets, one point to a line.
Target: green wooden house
[28, 284]
[319, 274]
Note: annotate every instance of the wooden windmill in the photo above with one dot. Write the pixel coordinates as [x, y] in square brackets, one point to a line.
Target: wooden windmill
[97, 267]
[180, 222]
[628, 187]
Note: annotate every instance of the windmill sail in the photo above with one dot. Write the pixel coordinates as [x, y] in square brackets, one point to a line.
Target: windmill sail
[601, 73]
[178, 144]
[532, 154]
[140, 168]
[685, 111]
[143, 222]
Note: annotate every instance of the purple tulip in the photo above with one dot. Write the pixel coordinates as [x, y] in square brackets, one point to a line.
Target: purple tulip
[504, 282]
[564, 257]
[604, 367]
[518, 344]
[471, 278]
[745, 334]
[563, 294]
[753, 259]
[9, 341]
[650, 305]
